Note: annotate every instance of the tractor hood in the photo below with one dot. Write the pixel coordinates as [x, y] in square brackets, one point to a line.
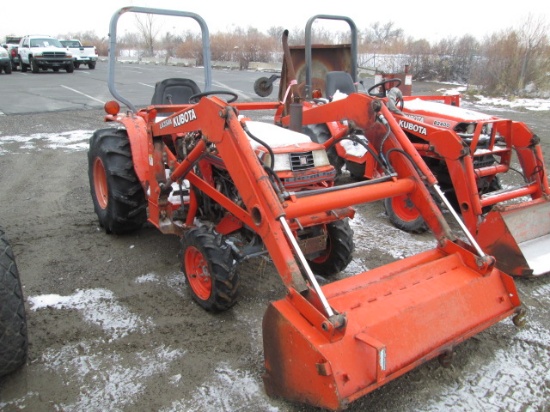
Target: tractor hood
[442, 115]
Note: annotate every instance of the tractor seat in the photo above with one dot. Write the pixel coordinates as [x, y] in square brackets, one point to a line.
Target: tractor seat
[338, 81]
[174, 91]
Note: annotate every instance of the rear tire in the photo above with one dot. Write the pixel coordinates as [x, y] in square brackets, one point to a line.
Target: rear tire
[119, 200]
[91, 65]
[13, 321]
[209, 267]
[7, 69]
[339, 251]
[404, 215]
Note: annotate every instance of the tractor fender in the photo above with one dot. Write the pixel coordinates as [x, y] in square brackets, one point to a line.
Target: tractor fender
[136, 128]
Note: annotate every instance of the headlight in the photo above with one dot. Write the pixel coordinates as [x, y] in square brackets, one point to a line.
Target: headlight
[281, 161]
[320, 158]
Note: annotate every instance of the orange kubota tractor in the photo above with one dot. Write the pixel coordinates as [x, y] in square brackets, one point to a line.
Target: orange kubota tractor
[205, 172]
[467, 151]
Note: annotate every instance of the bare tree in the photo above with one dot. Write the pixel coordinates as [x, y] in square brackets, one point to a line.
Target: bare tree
[384, 34]
[148, 30]
[533, 39]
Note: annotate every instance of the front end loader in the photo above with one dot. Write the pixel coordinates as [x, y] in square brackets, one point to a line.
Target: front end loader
[202, 170]
[470, 153]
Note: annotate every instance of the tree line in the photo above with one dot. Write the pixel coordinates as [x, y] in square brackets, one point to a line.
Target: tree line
[512, 62]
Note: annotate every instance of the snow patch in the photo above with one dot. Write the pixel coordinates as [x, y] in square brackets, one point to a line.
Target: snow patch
[117, 378]
[229, 390]
[98, 306]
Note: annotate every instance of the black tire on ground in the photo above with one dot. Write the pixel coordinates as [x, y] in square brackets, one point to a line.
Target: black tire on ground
[119, 200]
[34, 66]
[339, 251]
[13, 321]
[7, 69]
[210, 269]
[91, 65]
[404, 215]
[319, 133]
[23, 65]
[55, 69]
[69, 68]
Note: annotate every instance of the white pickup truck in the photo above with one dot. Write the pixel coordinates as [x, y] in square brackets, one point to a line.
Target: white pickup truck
[43, 52]
[81, 54]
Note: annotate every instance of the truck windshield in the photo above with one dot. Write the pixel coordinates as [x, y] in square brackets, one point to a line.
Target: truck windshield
[45, 43]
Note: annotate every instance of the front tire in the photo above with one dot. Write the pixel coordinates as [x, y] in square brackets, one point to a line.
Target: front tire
[34, 66]
[7, 69]
[70, 67]
[119, 200]
[404, 215]
[13, 321]
[210, 269]
[24, 66]
[339, 251]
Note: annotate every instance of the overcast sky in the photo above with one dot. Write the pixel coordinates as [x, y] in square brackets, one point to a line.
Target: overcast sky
[419, 19]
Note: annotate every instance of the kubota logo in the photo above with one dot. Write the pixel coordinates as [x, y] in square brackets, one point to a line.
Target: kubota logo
[412, 127]
[184, 117]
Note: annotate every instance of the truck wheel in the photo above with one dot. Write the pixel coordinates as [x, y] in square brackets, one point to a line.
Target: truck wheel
[404, 215]
[23, 65]
[339, 249]
[13, 321]
[55, 69]
[209, 267]
[91, 65]
[70, 67]
[119, 200]
[319, 133]
[7, 69]
[34, 65]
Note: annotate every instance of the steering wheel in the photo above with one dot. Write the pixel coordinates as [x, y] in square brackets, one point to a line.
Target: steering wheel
[196, 97]
[383, 86]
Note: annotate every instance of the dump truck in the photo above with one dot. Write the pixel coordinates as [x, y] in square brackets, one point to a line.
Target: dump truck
[204, 171]
[468, 152]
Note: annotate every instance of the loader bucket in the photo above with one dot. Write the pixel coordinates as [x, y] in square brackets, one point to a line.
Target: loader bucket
[398, 317]
[518, 236]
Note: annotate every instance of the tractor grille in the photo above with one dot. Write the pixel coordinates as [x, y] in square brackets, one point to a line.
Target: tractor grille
[53, 54]
[301, 161]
